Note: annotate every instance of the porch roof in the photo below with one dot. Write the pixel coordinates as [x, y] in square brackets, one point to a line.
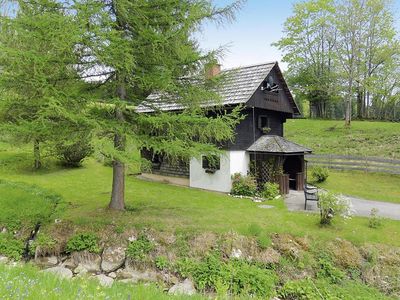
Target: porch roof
[277, 144]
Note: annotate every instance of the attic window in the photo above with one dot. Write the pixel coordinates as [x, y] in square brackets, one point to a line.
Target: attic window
[263, 122]
[211, 163]
[269, 85]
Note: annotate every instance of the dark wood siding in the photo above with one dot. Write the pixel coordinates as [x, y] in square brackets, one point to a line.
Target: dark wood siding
[247, 131]
[270, 100]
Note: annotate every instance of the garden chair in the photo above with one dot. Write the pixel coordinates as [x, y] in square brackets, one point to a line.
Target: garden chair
[310, 194]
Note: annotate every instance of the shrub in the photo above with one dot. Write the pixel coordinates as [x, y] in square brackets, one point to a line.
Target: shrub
[328, 270]
[243, 185]
[83, 241]
[72, 155]
[304, 290]
[331, 205]
[44, 242]
[270, 191]
[320, 174]
[161, 262]
[374, 220]
[11, 247]
[238, 276]
[140, 248]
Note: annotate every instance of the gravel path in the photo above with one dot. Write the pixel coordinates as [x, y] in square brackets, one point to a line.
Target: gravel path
[361, 207]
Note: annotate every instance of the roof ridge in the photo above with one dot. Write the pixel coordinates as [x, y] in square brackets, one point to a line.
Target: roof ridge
[250, 66]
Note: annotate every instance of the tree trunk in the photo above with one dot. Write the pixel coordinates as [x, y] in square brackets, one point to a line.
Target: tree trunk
[36, 154]
[347, 117]
[118, 186]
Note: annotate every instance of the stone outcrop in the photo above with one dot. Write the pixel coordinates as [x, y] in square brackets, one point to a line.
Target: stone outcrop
[113, 258]
[183, 288]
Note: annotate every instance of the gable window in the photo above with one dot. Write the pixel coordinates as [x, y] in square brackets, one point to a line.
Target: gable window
[269, 85]
[211, 163]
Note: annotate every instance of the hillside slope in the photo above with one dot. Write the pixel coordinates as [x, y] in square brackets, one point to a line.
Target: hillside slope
[380, 139]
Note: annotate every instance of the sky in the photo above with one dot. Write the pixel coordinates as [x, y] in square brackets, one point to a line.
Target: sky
[248, 39]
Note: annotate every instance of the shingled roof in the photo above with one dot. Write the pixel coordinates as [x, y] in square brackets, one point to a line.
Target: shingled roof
[240, 84]
[276, 144]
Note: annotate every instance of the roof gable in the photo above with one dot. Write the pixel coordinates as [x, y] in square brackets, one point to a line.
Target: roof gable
[239, 86]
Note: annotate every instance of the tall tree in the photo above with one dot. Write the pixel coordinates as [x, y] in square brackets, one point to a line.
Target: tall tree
[141, 47]
[39, 102]
[308, 45]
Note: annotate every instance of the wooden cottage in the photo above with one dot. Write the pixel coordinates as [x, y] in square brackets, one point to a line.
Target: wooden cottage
[259, 147]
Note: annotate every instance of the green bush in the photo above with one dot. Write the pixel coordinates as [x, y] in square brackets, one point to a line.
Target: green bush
[331, 205]
[83, 241]
[374, 220]
[304, 290]
[270, 191]
[44, 242]
[243, 185]
[72, 155]
[161, 262]
[320, 174]
[328, 270]
[11, 247]
[140, 248]
[237, 276]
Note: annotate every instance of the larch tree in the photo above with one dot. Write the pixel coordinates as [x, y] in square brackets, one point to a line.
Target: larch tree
[40, 102]
[138, 48]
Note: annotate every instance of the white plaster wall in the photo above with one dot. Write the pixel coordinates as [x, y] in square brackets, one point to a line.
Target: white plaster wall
[231, 162]
[239, 161]
[219, 181]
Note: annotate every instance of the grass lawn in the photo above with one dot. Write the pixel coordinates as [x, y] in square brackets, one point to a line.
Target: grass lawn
[362, 138]
[86, 193]
[372, 186]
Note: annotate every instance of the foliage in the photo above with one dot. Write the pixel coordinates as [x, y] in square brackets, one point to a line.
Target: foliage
[331, 205]
[343, 50]
[140, 248]
[11, 247]
[319, 174]
[270, 191]
[83, 241]
[254, 229]
[72, 154]
[303, 290]
[161, 262]
[374, 220]
[243, 185]
[43, 242]
[328, 270]
[238, 277]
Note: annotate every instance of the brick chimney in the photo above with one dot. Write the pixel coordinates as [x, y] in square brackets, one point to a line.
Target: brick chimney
[212, 70]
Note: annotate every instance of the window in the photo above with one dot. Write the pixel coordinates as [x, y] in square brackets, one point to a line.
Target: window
[263, 122]
[211, 163]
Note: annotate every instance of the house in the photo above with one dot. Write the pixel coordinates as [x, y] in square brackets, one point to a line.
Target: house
[259, 147]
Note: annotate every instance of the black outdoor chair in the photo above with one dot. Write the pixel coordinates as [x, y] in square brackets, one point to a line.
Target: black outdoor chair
[310, 194]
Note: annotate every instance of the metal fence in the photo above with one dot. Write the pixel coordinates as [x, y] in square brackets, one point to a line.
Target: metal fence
[361, 163]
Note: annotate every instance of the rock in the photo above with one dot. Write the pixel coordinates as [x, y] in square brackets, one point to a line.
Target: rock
[69, 263]
[184, 288]
[104, 280]
[60, 271]
[134, 276]
[113, 258]
[89, 261]
[113, 275]
[3, 259]
[46, 261]
[132, 238]
[80, 270]
[236, 253]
